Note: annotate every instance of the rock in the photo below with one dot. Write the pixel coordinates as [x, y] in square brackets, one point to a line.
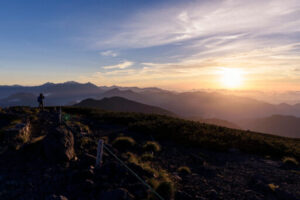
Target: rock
[289, 166]
[212, 194]
[259, 184]
[283, 195]
[19, 135]
[117, 194]
[113, 169]
[88, 185]
[56, 197]
[183, 195]
[88, 160]
[233, 150]
[177, 177]
[81, 175]
[197, 159]
[59, 145]
[139, 190]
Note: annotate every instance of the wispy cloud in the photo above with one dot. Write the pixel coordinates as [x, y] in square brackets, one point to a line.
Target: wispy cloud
[261, 37]
[204, 19]
[109, 53]
[122, 65]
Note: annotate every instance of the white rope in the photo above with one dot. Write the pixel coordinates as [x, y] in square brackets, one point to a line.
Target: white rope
[131, 171]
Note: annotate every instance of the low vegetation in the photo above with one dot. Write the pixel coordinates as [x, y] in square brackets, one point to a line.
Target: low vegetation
[147, 156]
[158, 179]
[166, 190]
[151, 146]
[123, 143]
[197, 134]
[184, 170]
[290, 161]
[273, 187]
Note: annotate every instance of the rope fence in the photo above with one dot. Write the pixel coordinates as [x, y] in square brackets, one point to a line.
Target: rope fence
[101, 146]
[132, 172]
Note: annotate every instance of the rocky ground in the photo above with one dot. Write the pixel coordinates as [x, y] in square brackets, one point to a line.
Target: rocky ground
[52, 161]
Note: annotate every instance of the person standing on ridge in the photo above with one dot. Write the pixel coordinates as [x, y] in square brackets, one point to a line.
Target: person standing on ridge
[41, 101]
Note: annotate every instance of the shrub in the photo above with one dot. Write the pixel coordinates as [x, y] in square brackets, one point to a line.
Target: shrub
[153, 183]
[184, 170]
[84, 141]
[123, 143]
[290, 161]
[82, 127]
[163, 175]
[151, 146]
[147, 156]
[130, 157]
[166, 190]
[273, 187]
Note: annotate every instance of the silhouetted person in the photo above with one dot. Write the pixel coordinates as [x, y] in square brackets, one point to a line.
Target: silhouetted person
[41, 101]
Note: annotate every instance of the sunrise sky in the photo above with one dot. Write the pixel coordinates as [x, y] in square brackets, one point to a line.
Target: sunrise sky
[180, 45]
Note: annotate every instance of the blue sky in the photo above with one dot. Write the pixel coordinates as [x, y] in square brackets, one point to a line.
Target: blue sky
[169, 44]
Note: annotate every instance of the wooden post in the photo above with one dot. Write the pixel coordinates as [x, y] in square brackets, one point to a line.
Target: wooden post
[99, 153]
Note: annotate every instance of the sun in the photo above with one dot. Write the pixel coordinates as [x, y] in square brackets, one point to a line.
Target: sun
[231, 78]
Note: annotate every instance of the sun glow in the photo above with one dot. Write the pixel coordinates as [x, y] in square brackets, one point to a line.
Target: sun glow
[231, 78]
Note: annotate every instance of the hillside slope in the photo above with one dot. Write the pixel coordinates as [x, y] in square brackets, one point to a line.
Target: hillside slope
[288, 126]
[119, 104]
[217, 122]
[179, 159]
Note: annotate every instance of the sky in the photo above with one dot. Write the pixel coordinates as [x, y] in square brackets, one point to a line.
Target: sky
[172, 44]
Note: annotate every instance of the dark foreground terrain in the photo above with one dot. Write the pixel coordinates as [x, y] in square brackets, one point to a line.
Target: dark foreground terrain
[179, 159]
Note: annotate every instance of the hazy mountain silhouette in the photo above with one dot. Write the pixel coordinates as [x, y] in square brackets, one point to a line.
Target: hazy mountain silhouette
[288, 126]
[56, 94]
[119, 104]
[25, 99]
[207, 104]
[199, 104]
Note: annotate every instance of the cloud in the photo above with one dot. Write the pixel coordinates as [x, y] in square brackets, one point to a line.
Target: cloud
[260, 37]
[182, 22]
[122, 65]
[109, 53]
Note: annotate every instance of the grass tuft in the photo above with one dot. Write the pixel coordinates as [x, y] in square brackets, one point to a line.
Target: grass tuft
[147, 157]
[166, 190]
[184, 170]
[123, 143]
[151, 146]
[273, 187]
[290, 161]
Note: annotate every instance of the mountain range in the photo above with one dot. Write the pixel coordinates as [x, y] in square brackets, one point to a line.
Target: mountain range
[235, 110]
[119, 104]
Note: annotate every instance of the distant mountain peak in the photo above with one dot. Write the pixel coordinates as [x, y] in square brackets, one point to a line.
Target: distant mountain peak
[120, 104]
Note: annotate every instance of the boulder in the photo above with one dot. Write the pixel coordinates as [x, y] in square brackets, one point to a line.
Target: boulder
[19, 135]
[59, 145]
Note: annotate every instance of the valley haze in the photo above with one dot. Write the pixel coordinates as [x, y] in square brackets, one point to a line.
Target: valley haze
[206, 106]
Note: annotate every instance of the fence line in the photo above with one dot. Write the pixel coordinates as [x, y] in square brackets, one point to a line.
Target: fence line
[132, 172]
[124, 164]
